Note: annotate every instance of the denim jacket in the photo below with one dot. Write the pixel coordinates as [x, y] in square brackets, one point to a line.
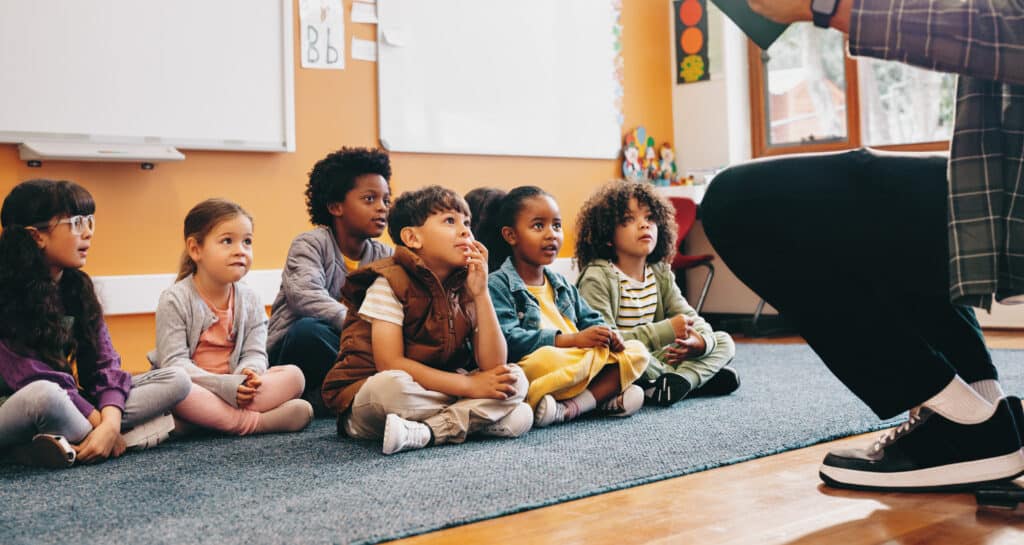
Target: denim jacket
[519, 312]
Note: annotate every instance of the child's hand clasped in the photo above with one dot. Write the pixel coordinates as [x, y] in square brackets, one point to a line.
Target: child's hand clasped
[247, 389]
[690, 346]
[494, 383]
[599, 335]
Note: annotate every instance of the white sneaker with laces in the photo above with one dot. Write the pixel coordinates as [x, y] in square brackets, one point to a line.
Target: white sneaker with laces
[513, 424]
[625, 404]
[150, 433]
[401, 434]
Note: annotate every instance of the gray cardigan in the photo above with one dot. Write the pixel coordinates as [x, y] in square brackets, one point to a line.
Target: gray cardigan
[181, 318]
[312, 279]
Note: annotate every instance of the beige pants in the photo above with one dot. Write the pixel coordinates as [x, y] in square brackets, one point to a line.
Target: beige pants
[450, 419]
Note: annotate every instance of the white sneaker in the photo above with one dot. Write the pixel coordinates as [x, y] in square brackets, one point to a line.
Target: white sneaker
[401, 434]
[548, 412]
[625, 404]
[513, 424]
[150, 433]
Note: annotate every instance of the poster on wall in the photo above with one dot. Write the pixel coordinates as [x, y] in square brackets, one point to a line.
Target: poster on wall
[691, 19]
[322, 34]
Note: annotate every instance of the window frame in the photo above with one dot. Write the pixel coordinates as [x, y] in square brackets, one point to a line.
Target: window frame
[759, 146]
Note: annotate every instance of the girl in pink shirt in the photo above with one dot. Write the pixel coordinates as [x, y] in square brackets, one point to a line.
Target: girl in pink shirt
[215, 328]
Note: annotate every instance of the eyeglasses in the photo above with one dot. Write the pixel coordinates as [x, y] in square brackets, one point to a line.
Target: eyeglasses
[79, 223]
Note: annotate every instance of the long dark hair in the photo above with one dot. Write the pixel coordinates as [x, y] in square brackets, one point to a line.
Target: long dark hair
[32, 306]
[200, 221]
[502, 213]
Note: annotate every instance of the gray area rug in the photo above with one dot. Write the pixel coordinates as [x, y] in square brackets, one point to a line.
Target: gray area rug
[313, 487]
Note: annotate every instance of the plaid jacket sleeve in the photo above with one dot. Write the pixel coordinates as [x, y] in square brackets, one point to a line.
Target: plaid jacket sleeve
[982, 39]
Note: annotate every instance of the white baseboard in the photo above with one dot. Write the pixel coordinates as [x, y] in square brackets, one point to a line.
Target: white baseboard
[139, 293]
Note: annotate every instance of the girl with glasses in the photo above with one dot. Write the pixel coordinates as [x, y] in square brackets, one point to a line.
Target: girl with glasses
[63, 395]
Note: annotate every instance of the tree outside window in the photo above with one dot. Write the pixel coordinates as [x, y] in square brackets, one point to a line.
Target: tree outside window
[807, 95]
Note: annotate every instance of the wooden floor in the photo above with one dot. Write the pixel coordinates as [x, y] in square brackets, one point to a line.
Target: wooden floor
[773, 500]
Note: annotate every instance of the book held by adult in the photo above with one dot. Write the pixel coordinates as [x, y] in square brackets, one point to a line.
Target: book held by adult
[761, 30]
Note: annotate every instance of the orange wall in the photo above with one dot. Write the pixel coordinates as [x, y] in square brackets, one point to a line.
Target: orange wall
[139, 213]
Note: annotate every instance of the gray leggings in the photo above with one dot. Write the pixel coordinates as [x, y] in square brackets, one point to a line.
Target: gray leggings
[44, 407]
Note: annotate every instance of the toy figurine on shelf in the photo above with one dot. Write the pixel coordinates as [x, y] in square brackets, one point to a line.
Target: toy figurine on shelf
[651, 166]
[631, 168]
[668, 164]
[643, 162]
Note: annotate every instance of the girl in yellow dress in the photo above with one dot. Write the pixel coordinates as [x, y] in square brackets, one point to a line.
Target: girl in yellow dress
[574, 360]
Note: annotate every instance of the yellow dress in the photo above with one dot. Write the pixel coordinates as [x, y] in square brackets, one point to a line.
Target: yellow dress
[566, 372]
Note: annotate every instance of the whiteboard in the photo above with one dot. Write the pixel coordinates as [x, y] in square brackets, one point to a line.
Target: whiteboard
[199, 74]
[494, 77]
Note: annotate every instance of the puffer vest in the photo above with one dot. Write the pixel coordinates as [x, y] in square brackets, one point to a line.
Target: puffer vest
[436, 329]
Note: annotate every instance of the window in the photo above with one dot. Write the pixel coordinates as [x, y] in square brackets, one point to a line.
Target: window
[808, 95]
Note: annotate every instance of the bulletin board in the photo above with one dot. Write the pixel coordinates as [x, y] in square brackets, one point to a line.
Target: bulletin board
[492, 77]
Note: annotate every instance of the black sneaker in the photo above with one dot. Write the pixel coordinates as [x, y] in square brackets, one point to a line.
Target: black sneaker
[930, 453]
[669, 388]
[725, 382]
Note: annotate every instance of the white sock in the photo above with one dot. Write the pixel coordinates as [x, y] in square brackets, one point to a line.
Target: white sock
[578, 405]
[960, 403]
[989, 389]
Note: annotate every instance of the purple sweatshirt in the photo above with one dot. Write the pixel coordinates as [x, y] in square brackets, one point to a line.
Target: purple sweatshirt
[109, 385]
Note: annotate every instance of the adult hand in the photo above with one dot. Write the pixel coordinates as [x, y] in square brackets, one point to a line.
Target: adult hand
[783, 11]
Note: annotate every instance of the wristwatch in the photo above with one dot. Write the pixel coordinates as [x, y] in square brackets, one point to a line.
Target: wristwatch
[823, 10]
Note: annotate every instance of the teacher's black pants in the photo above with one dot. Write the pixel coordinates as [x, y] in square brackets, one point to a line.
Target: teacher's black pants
[851, 248]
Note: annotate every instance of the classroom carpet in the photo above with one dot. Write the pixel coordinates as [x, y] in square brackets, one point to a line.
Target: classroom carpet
[312, 487]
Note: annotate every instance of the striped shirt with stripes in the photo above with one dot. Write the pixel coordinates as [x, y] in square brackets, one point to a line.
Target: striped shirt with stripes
[380, 303]
[638, 301]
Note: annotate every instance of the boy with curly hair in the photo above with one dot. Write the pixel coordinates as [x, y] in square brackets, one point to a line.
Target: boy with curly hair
[626, 237]
[348, 197]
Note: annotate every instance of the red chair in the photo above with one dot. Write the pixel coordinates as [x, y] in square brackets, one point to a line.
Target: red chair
[686, 215]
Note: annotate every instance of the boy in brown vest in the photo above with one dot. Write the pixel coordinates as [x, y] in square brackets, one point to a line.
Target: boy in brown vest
[418, 324]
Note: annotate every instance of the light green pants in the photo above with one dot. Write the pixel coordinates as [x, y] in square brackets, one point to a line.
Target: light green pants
[696, 371]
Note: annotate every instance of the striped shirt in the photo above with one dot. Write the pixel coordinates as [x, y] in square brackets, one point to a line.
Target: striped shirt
[381, 304]
[983, 42]
[638, 300]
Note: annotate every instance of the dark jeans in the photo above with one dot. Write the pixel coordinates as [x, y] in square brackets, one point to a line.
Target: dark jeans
[312, 345]
[851, 248]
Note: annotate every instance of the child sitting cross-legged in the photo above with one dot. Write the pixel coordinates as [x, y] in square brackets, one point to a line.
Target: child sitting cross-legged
[423, 361]
[574, 360]
[625, 241]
